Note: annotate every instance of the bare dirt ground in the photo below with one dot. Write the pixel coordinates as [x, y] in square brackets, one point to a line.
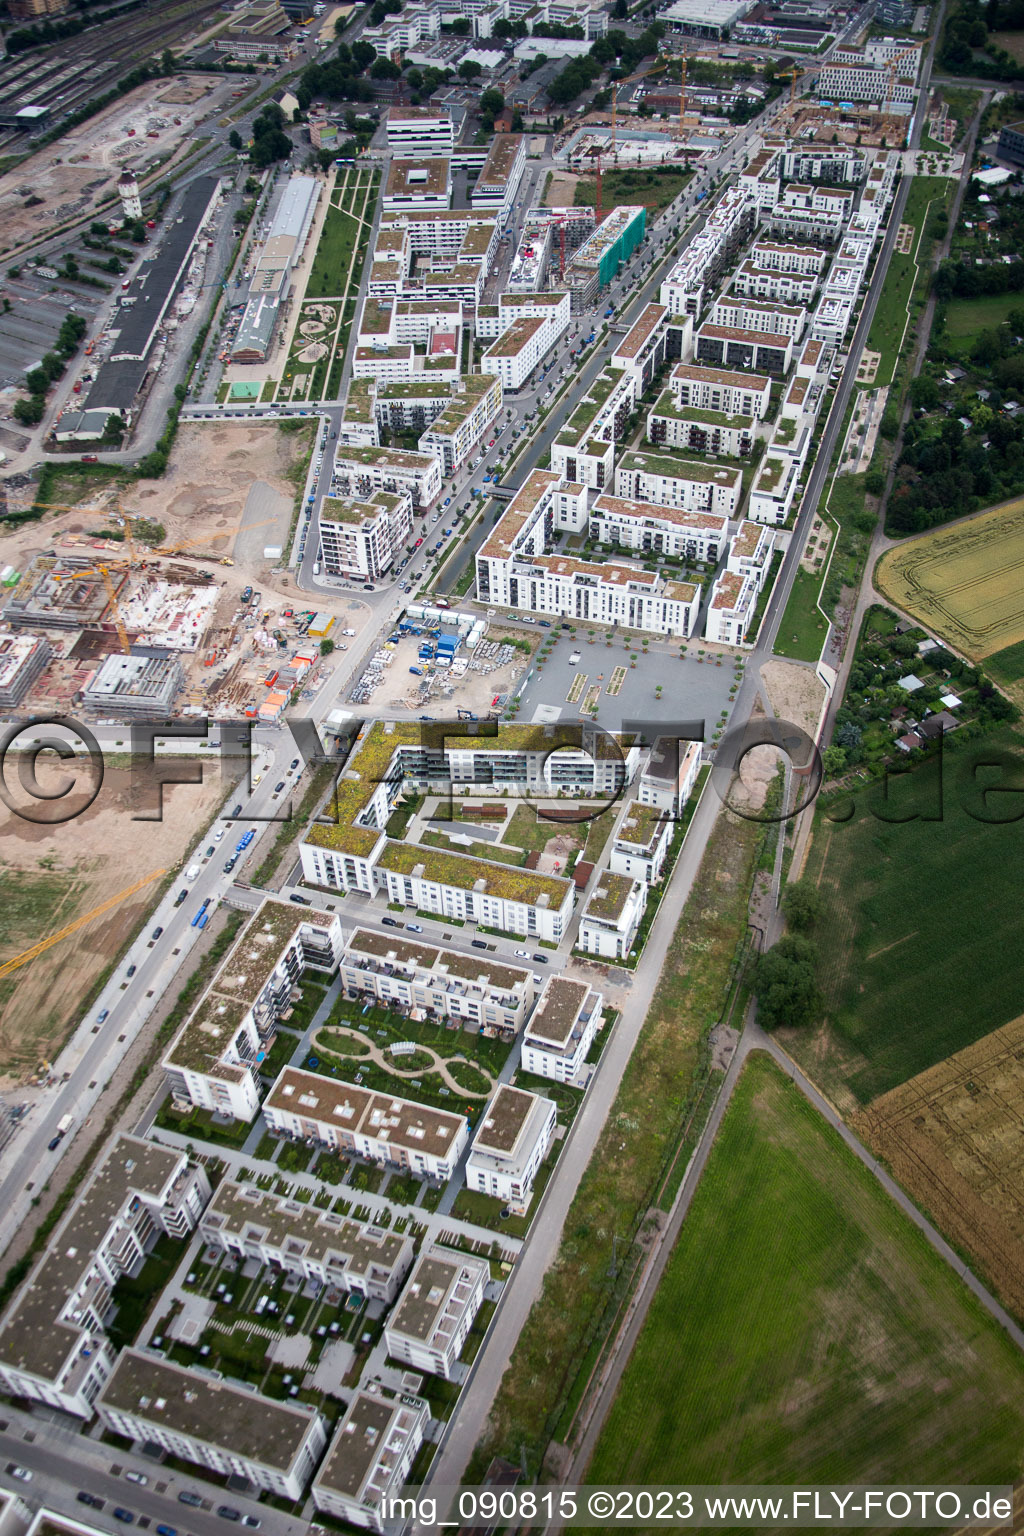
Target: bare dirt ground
[951, 1136]
[561, 191]
[82, 168]
[51, 875]
[794, 692]
[199, 501]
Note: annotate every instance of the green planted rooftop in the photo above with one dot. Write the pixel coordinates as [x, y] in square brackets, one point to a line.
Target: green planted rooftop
[680, 469]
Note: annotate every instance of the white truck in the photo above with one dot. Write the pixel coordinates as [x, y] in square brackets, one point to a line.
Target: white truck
[192, 872]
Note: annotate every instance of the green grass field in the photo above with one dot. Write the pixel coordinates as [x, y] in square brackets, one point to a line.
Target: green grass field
[916, 912]
[890, 321]
[802, 630]
[967, 318]
[804, 1331]
[1007, 666]
[633, 186]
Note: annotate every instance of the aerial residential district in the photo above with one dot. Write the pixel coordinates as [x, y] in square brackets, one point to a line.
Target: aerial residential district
[511, 654]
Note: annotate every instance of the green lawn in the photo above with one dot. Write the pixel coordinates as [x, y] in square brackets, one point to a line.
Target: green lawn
[802, 630]
[967, 318]
[890, 322]
[917, 910]
[804, 1332]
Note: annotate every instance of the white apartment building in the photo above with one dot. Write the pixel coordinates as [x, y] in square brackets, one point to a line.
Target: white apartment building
[751, 281]
[645, 346]
[305, 1241]
[391, 756]
[560, 1033]
[514, 571]
[835, 163]
[720, 389]
[780, 256]
[710, 253]
[359, 471]
[363, 538]
[228, 1428]
[451, 437]
[684, 483]
[420, 183]
[760, 179]
[667, 779]
[419, 131]
[391, 1132]
[747, 315]
[531, 324]
[473, 890]
[866, 82]
[650, 528]
[771, 495]
[640, 846]
[512, 1140]
[211, 1063]
[733, 600]
[584, 450]
[699, 431]
[430, 1324]
[370, 1456]
[611, 917]
[498, 181]
[407, 976]
[53, 1344]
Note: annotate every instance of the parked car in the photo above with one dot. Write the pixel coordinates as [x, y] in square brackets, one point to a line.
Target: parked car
[54, 1144]
[21, 1473]
[279, 786]
[541, 959]
[124, 1515]
[193, 1500]
[227, 1513]
[166, 1530]
[414, 927]
[524, 954]
[293, 764]
[131, 970]
[391, 922]
[253, 1521]
[137, 1477]
[478, 943]
[90, 1499]
[303, 901]
[156, 933]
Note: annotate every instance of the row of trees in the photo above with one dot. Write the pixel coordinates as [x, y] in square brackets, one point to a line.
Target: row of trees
[786, 976]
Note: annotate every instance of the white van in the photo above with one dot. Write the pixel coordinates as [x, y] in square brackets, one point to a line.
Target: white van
[192, 872]
[316, 568]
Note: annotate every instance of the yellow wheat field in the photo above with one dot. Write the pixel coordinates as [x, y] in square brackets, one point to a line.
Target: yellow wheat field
[965, 583]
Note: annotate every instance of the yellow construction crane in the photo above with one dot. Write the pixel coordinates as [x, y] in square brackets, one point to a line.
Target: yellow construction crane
[103, 572]
[79, 922]
[794, 76]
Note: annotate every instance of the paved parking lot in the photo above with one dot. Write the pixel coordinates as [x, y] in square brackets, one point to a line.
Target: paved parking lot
[692, 689]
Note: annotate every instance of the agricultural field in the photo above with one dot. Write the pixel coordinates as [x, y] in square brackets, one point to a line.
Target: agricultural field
[804, 1331]
[918, 906]
[963, 582]
[1006, 669]
[951, 1136]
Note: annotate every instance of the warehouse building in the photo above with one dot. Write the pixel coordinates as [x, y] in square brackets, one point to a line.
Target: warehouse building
[270, 283]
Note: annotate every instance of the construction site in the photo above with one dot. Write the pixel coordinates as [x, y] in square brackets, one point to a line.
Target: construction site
[178, 576]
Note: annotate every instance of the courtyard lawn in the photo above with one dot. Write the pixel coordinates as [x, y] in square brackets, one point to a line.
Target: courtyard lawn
[804, 1332]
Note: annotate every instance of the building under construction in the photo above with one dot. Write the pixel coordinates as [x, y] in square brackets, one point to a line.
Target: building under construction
[550, 238]
[599, 258]
[64, 592]
[135, 686]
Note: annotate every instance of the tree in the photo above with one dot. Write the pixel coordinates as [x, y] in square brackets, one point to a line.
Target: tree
[29, 412]
[363, 54]
[384, 69]
[462, 27]
[326, 647]
[469, 69]
[802, 905]
[833, 761]
[235, 139]
[168, 63]
[785, 983]
[492, 102]
[113, 430]
[37, 381]
[924, 392]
